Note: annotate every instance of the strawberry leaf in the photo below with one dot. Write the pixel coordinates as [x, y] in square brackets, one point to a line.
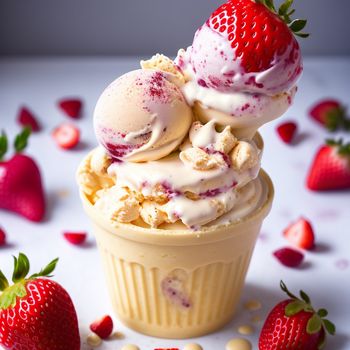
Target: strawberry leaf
[330, 327]
[314, 324]
[293, 308]
[21, 268]
[283, 9]
[3, 144]
[3, 282]
[305, 297]
[45, 272]
[297, 25]
[21, 139]
[322, 312]
[269, 4]
[302, 35]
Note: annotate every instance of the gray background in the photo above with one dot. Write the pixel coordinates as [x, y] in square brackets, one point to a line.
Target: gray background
[142, 27]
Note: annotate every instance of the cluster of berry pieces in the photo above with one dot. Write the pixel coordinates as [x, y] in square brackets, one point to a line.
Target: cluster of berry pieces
[66, 135]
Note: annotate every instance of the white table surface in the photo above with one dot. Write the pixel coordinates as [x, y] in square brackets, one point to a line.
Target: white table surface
[325, 274]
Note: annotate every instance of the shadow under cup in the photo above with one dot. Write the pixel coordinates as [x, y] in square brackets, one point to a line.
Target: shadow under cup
[177, 283]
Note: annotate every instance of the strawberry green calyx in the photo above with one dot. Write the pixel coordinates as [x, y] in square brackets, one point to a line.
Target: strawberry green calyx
[317, 321]
[343, 149]
[285, 12]
[21, 139]
[3, 144]
[21, 269]
[20, 143]
[337, 119]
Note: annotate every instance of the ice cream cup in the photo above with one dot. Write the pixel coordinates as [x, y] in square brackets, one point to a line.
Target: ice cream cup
[177, 283]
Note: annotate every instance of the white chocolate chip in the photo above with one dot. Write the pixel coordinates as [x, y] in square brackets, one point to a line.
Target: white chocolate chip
[239, 344]
[244, 156]
[245, 330]
[130, 347]
[93, 340]
[192, 346]
[252, 305]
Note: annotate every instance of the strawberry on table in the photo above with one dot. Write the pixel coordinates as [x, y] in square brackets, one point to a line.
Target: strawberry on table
[300, 234]
[289, 257]
[75, 238]
[294, 324]
[103, 327]
[330, 169]
[26, 118]
[286, 131]
[71, 107]
[331, 114]
[67, 136]
[36, 313]
[21, 189]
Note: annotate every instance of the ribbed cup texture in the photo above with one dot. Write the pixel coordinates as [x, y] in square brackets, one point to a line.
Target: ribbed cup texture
[138, 296]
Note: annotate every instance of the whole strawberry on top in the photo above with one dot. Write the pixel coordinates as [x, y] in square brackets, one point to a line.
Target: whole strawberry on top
[249, 46]
[36, 313]
[294, 324]
[330, 169]
[21, 189]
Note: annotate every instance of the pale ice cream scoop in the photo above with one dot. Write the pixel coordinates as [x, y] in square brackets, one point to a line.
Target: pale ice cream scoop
[245, 47]
[141, 116]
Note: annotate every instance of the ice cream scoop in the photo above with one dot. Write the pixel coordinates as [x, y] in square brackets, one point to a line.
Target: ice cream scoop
[245, 47]
[141, 116]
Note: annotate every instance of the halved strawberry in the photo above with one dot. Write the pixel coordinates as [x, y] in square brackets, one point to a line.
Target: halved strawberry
[67, 136]
[2, 237]
[289, 257]
[330, 169]
[300, 234]
[331, 114]
[103, 327]
[71, 106]
[286, 131]
[75, 238]
[26, 118]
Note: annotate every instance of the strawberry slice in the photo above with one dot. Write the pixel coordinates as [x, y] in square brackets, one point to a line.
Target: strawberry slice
[75, 238]
[103, 327]
[300, 234]
[331, 114]
[26, 118]
[289, 257]
[71, 107]
[286, 131]
[67, 136]
[330, 169]
[2, 237]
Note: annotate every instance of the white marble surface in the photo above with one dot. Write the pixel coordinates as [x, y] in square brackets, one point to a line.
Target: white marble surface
[325, 275]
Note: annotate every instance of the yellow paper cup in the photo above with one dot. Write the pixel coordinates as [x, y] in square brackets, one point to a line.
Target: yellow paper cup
[177, 283]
